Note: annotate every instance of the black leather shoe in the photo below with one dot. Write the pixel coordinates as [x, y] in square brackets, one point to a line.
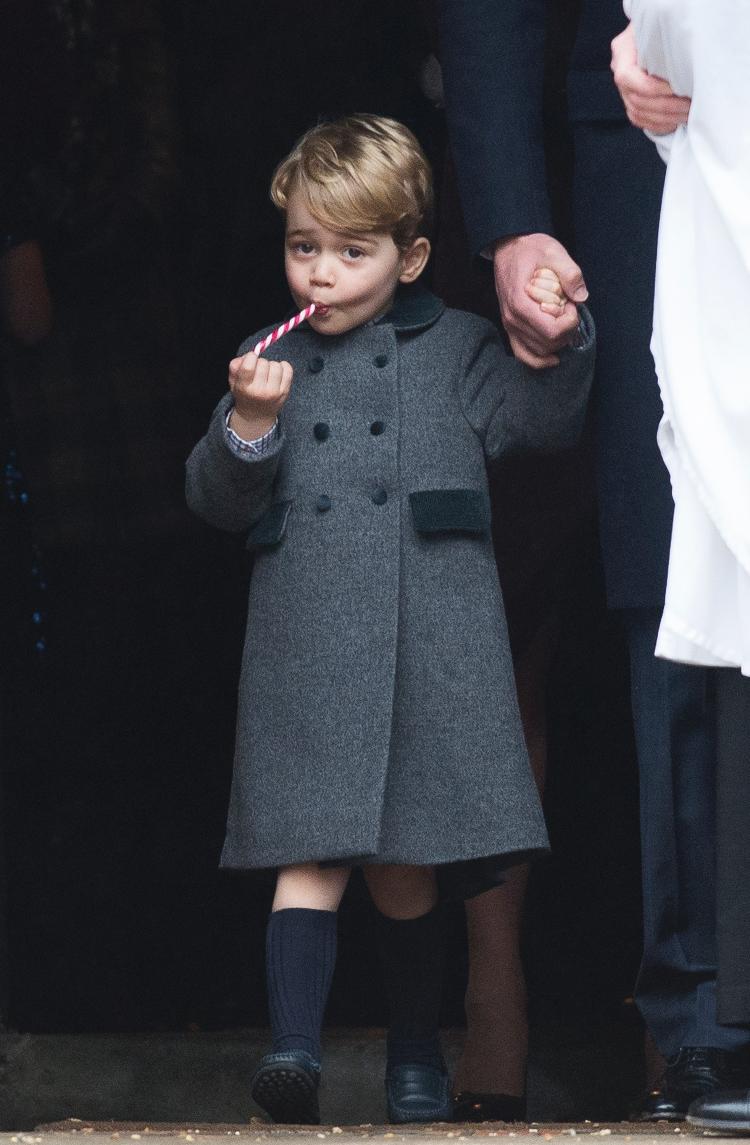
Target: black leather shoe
[468, 1106]
[692, 1073]
[727, 1109]
[417, 1093]
[285, 1086]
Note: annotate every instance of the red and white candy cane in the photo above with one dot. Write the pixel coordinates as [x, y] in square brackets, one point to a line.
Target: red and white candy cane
[283, 329]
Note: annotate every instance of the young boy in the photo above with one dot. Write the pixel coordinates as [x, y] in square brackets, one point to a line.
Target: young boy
[378, 723]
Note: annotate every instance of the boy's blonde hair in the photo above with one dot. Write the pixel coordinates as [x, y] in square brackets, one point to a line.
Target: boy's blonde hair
[361, 173]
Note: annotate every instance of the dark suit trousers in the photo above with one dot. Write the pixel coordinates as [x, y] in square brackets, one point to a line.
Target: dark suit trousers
[733, 845]
[674, 714]
[617, 198]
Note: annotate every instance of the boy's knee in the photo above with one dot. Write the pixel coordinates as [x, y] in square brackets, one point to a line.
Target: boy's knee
[310, 886]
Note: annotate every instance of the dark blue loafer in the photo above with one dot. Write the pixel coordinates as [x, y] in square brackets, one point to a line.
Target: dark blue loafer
[417, 1093]
[285, 1086]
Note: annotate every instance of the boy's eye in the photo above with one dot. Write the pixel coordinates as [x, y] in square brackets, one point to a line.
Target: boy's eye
[302, 248]
[353, 252]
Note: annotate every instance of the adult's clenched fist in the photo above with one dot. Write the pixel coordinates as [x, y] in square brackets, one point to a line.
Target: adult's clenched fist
[260, 388]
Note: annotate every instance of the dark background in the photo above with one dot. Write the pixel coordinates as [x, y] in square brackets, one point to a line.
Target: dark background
[138, 140]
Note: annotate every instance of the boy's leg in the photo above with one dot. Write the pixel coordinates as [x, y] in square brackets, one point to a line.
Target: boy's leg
[300, 959]
[410, 941]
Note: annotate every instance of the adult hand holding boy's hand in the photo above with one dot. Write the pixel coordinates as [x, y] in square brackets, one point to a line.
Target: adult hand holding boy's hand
[536, 336]
[260, 388]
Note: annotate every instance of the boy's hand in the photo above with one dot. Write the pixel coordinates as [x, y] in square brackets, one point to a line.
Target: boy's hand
[260, 388]
[546, 289]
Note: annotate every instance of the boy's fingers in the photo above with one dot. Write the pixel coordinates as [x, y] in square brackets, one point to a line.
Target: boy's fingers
[234, 368]
[261, 372]
[275, 376]
[537, 293]
[540, 292]
[287, 373]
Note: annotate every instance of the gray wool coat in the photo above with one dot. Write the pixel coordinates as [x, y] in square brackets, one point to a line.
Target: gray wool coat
[378, 718]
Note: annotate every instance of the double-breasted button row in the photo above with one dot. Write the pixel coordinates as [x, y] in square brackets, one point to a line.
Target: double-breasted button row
[322, 430]
[316, 364]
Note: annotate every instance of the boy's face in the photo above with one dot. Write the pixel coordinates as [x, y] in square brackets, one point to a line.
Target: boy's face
[351, 277]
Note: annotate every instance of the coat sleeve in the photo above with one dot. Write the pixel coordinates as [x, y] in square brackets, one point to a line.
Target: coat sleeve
[492, 55]
[514, 408]
[225, 490]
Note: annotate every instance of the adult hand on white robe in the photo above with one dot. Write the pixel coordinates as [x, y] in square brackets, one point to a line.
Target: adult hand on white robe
[649, 101]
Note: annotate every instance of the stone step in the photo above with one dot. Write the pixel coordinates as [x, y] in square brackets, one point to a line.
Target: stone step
[203, 1077]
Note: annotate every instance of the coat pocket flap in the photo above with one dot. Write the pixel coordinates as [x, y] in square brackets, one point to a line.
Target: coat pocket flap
[270, 528]
[451, 511]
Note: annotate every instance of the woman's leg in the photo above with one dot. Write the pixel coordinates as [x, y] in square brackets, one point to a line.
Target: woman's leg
[300, 960]
[495, 1051]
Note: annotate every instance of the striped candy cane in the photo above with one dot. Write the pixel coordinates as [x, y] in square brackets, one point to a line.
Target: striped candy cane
[283, 329]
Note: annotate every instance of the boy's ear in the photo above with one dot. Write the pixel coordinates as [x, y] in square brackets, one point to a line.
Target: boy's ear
[414, 260]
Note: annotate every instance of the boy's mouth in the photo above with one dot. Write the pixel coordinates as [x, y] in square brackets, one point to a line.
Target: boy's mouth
[321, 309]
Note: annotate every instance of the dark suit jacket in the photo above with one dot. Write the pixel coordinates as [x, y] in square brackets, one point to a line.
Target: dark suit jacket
[492, 52]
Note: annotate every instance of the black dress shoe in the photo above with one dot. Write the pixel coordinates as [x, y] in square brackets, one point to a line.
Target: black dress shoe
[285, 1086]
[417, 1093]
[692, 1073]
[468, 1106]
[727, 1109]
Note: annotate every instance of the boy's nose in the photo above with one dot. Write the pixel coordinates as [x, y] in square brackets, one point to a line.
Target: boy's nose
[321, 272]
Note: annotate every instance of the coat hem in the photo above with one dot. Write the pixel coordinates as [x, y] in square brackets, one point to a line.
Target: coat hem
[514, 855]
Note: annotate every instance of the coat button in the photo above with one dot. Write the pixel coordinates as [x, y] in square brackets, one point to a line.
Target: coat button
[315, 365]
[380, 360]
[377, 428]
[379, 497]
[322, 430]
[323, 503]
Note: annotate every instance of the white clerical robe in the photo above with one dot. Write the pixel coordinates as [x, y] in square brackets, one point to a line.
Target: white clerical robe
[701, 339]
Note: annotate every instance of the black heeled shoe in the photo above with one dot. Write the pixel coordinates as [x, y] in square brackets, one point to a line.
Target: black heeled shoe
[473, 1107]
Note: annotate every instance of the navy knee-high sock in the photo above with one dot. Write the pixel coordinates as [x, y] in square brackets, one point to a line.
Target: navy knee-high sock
[412, 955]
[300, 959]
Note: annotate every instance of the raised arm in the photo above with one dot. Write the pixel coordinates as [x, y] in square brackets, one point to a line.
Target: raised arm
[225, 489]
[513, 408]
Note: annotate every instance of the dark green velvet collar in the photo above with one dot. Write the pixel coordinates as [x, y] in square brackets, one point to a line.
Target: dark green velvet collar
[414, 308]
